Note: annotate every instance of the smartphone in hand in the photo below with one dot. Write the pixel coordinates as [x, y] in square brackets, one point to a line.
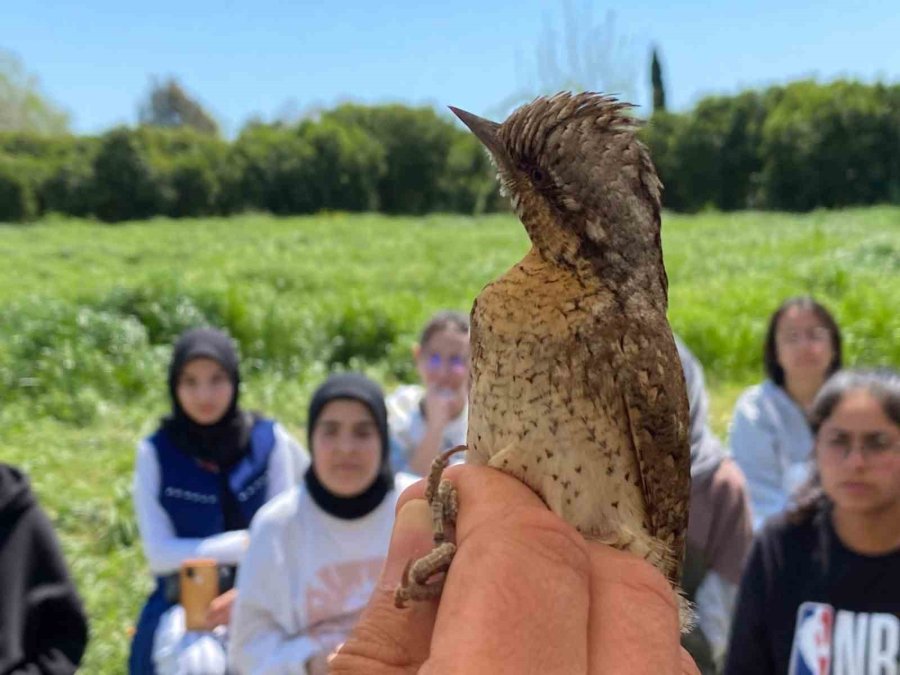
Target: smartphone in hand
[199, 586]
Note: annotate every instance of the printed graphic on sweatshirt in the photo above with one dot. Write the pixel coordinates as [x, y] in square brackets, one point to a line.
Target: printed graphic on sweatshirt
[829, 642]
[337, 596]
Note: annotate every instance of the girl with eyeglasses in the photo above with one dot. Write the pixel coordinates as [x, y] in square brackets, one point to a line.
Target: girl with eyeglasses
[429, 418]
[821, 590]
[770, 437]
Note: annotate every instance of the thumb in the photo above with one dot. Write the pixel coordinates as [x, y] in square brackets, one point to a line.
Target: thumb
[387, 640]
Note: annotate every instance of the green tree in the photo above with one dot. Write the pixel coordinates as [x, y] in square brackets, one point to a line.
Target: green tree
[126, 184]
[68, 186]
[22, 105]
[656, 80]
[17, 200]
[276, 169]
[659, 134]
[829, 145]
[416, 142]
[169, 105]
[346, 165]
[468, 183]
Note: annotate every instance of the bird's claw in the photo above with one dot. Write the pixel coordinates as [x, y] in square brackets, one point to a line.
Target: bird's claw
[441, 496]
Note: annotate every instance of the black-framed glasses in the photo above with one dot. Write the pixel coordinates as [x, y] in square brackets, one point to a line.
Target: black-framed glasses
[875, 446]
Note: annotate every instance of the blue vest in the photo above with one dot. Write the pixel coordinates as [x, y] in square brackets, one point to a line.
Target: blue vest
[190, 494]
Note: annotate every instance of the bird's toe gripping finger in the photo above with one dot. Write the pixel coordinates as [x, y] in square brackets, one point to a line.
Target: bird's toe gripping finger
[437, 469]
[444, 507]
[449, 499]
[415, 584]
[442, 497]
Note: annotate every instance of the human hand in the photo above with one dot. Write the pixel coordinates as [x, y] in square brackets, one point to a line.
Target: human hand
[525, 594]
[219, 612]
[318, 664]
[442, 405]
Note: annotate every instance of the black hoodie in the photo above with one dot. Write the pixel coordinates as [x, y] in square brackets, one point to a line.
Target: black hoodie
[43, 628]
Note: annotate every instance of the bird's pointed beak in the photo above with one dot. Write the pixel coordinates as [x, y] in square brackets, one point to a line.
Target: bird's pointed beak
[485, 130]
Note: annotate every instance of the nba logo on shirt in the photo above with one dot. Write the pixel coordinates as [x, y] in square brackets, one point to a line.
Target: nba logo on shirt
[811, 654]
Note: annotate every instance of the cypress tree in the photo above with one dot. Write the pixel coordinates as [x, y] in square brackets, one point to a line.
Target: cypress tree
[659, 92]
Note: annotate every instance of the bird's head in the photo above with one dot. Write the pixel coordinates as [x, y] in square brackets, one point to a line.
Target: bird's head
[578, 178]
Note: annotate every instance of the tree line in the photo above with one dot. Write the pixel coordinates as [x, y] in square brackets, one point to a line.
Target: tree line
[394, 159]
[794, 147]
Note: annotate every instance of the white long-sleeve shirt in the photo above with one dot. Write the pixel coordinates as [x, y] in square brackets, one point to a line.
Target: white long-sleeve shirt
[165, 551]
[772, 443]
[304, 580]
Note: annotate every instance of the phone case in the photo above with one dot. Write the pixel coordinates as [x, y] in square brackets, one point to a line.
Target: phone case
[199, 581]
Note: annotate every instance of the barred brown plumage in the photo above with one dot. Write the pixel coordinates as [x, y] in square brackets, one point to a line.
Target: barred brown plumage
[577, 388]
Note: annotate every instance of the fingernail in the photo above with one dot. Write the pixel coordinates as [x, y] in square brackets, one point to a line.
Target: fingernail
[412, 537]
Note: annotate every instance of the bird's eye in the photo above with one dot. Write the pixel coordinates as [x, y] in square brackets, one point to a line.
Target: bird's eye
[538, 176]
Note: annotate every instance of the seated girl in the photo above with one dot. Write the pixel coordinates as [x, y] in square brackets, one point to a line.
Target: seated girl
[770, 437]
[316, 552]
[821, 590]
[199, 479]
[429, 418]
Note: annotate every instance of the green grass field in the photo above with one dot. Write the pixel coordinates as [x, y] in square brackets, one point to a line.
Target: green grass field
[89, 311]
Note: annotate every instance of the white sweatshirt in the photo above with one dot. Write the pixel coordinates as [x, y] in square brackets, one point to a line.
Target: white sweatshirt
[165, 551]
[304, 580]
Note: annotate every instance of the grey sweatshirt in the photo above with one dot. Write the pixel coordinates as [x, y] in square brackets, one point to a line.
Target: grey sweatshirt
[771, 441]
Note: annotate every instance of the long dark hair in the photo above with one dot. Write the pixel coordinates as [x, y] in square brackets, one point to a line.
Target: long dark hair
[882, 384]
[770, 351]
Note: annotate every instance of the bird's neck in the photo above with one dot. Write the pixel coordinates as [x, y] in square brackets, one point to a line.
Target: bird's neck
[644, 288]
[625, 269]
[557, 245]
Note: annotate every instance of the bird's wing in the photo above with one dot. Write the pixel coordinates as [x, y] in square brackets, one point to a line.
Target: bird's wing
[647, 372]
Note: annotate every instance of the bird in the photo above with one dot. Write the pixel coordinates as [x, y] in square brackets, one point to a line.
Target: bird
[576, 385]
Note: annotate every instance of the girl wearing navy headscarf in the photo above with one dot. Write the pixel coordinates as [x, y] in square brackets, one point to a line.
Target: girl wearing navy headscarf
[199, 479]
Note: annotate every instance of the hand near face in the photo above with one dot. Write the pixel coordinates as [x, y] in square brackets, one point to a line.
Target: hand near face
[443, 366]
[443, 405]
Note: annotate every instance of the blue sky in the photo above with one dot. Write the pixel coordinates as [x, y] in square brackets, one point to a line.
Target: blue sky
[95, 58]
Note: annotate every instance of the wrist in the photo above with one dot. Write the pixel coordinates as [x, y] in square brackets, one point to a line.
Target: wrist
[434, 429]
